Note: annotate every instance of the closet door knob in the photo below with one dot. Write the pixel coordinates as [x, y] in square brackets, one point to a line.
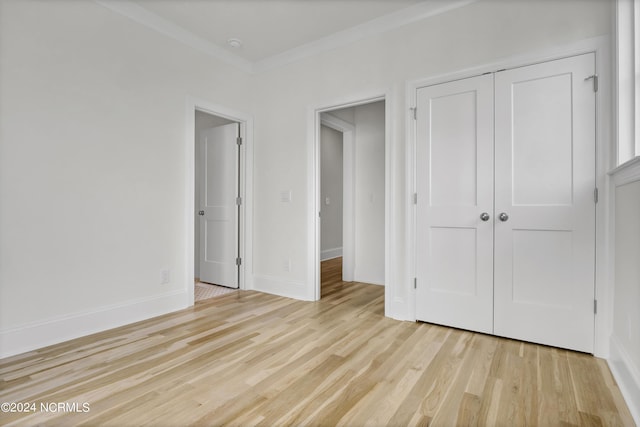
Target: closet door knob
[201, 213]
[484, 216]
[503, 217]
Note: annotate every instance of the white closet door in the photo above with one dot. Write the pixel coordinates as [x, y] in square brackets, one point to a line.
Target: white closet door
[218, 209]
[544, 182]
[455, 186]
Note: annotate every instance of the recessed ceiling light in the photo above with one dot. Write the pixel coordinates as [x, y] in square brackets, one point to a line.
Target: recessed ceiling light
[234, 43]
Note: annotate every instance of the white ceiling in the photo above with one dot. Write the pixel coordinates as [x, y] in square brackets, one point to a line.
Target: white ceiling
[274, 31]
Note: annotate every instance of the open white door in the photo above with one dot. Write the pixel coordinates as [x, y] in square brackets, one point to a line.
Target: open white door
[455, 204]
[218, 209]
[545, 181]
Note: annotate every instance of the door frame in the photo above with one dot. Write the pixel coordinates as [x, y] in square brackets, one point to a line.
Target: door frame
[313, 253]
[348, 192]
[245, 219]
[600, 46]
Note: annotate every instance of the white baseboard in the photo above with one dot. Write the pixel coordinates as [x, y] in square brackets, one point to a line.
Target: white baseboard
[326, 254]
[63, 328]
[370, 280]
[282, 287]
[627, 375]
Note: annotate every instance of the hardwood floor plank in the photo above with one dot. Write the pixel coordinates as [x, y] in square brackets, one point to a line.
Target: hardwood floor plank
[249, 358]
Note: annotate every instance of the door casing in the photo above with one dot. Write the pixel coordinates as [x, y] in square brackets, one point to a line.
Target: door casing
[246, 190]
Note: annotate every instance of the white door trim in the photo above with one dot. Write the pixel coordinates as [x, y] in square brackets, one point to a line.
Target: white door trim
[246, 189]
[313, 198]
[348, 192]
[603, 287]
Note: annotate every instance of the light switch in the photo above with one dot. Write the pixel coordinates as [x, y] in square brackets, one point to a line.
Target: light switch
[327, 201]
[285, 196]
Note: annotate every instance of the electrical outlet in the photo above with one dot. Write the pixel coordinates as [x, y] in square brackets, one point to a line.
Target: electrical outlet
[165, 276]
[286, 265]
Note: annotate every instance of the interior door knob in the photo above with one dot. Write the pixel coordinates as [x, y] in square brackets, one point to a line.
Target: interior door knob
[503, 217]
[484, 216]
[201, 213]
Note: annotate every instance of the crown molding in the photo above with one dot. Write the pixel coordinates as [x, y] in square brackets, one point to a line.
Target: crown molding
[379, 25]
[176, 32]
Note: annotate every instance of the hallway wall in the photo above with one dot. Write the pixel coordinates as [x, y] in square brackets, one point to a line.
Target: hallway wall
[331, 193]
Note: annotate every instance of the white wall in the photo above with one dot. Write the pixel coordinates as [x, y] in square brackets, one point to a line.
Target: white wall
[331, 190]
[369, 193]
[625, 339]
[93, 168]
[479, 33]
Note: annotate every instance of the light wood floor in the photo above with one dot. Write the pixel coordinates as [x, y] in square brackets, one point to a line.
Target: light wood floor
[249, 358]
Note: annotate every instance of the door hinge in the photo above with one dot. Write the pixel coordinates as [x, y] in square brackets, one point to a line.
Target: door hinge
[238, 200]
[595, 81]
[238, 261]
[414, 110]
[415, 198]
[595, 306]
[595, 195]
[239, 140]
[415, 283]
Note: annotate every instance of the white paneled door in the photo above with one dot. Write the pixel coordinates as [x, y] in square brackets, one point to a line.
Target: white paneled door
[455, 204]
[218, 208]
[506, 221]
[545, 181]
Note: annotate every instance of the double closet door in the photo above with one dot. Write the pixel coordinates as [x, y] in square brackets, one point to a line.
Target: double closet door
[506, 211]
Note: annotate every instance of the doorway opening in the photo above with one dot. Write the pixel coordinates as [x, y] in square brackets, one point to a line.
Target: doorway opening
[218, 199]
[351, 145]
[217, 192]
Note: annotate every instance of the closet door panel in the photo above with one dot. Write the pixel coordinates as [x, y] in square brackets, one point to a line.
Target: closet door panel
[455, 186]
[544, 183]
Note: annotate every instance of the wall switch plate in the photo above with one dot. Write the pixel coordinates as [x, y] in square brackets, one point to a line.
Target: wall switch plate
[327, 201]
[285, 196]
